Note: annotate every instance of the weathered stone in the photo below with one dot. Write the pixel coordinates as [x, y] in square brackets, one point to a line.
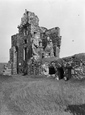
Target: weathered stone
[14, 63]
[33, 43]
[72, 66]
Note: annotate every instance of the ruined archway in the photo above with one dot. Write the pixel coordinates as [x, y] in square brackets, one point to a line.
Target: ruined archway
[52, 70]
[60, 73]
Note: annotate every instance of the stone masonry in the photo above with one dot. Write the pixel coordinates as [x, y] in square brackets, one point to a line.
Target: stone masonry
[35, 51]
[33, 42]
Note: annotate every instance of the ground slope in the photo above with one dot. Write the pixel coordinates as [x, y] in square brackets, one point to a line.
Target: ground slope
[41, 96]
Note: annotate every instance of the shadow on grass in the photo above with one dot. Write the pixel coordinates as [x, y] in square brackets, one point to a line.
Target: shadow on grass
[1, 75]
[6, 78]
[76, 109]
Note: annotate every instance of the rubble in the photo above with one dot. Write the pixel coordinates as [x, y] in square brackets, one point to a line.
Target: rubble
[7, 69]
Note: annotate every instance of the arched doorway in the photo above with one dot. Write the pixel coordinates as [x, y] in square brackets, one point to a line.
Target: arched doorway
[60, 73]
[52, 70]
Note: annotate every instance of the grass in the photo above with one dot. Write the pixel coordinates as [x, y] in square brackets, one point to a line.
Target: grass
[43, 96]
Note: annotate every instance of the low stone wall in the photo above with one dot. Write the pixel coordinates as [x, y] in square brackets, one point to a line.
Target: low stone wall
[34, 68]
[74, 65]
[69, 67]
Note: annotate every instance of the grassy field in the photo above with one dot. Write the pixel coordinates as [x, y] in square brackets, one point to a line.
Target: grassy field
[41, 96]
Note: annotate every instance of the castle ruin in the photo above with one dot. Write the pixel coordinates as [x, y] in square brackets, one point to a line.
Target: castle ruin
[33, 43]
[35, 51]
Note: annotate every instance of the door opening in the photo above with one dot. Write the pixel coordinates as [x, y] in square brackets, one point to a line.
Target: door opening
[60, 73]
[52, 70]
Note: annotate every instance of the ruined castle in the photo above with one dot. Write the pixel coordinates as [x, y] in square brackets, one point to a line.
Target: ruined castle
[35, 51]
[33, 43]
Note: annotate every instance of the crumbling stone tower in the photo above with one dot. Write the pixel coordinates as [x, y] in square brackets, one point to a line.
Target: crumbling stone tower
[32, 41]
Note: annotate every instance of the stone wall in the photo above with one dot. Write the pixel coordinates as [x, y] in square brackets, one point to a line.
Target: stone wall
[34, 67]
[75, 65]
[33, 41]
[14, 60]
[33, 44]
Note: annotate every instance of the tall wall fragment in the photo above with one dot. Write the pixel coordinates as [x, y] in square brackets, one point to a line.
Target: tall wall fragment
[33, 41]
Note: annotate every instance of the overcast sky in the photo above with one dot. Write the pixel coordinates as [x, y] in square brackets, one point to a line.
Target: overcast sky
[69, 15]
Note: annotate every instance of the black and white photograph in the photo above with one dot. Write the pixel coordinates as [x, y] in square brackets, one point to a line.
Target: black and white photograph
[42, 57]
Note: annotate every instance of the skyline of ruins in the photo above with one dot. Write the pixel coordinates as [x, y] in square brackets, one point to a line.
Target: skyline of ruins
[68, 15]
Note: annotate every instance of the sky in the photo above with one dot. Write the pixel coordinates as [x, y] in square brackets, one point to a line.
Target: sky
[68, 15]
